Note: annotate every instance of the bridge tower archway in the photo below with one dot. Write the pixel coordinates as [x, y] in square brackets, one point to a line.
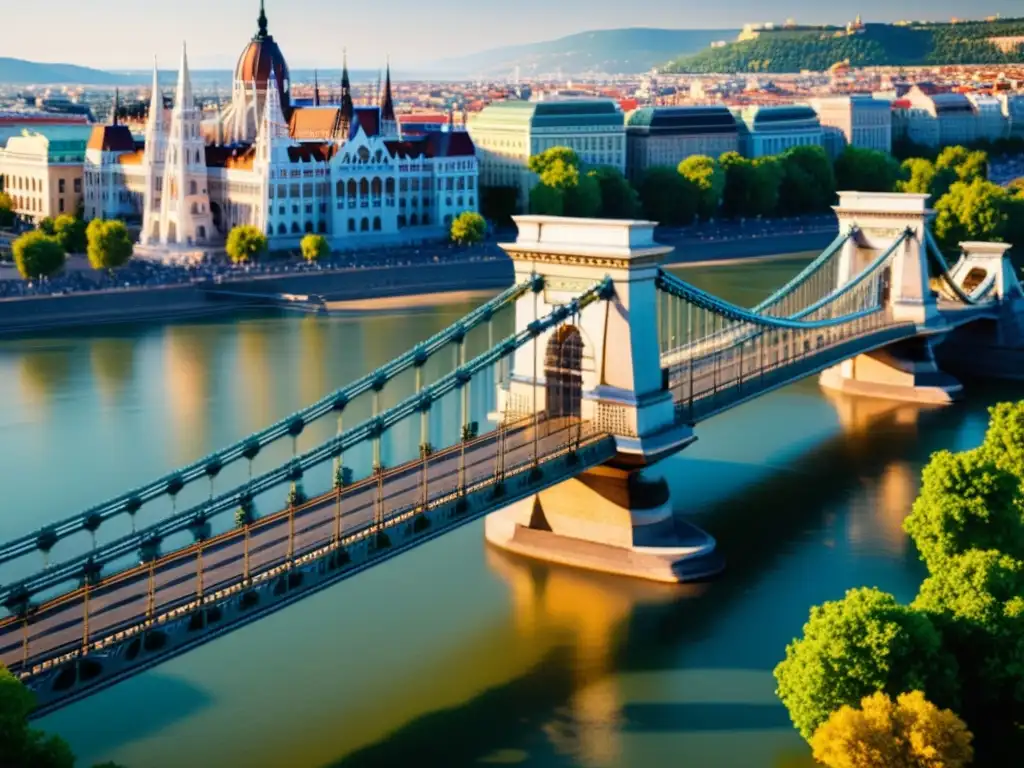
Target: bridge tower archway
[563, 373]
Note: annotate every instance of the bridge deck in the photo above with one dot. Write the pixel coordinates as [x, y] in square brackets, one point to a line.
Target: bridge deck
[146, 592]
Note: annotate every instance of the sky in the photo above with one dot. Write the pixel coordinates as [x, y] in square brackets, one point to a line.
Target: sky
[126, 34]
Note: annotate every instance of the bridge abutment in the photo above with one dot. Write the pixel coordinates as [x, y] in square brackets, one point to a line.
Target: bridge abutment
[905, 371]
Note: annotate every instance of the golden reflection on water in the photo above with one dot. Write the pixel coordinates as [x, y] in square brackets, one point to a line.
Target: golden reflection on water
[43, 372]
[113, 365]
[255, 373]
[188, 358]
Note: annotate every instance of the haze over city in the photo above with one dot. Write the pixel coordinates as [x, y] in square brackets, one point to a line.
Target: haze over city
[415, 33]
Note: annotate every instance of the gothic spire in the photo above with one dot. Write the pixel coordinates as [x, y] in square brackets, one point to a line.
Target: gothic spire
[387, 108]
[183, 96]
[261, 21]
[347, 107]
[156, 100]
[117, 106]
[316, 88]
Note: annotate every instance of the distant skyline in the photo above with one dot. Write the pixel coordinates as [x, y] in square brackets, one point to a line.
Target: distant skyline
[125, 34]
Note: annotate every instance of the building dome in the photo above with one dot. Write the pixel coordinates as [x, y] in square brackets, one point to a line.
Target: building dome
[262, 58]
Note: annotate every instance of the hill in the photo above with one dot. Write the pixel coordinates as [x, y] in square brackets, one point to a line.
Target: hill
[21, 72]
[818, 48]
[626, 51]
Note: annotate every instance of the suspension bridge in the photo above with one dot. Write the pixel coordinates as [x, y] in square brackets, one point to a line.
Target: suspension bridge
[612, 365]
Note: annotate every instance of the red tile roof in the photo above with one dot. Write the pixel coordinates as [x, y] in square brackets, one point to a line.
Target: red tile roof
[315, 123]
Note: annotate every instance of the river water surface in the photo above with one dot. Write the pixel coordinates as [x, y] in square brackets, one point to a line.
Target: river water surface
[454, 654]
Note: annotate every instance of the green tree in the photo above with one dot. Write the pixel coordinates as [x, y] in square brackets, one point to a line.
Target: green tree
[109, 245]
[751, 186]
[246, 243]
[857, 646]
[6, 210]
[709, 179]
[46, 226]
[314, 247]
[977, 601]
[21, 746]
[557, 167]
[37, 255]
[866, 170]
[908, 733]
[468, 227]
[976, 210]
[966, 502]
[583, 198]
[1004, 439]
[808, 181]
[920, 176]
[966, 164]
[70, 232]
[547, 200]
[667, 197]
[618, 198]
[499, 204]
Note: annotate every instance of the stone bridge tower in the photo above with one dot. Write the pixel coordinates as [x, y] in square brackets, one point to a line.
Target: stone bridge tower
[602, 366]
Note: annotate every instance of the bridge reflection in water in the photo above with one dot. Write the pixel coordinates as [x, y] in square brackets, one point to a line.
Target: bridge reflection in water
[614, 361]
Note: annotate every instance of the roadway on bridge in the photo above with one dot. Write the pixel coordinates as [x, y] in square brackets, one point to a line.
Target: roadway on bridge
[123, 600]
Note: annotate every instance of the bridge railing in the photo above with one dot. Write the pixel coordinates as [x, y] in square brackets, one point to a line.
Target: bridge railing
[731, 352]
[17, 597]
[90, 617]
[290, 427]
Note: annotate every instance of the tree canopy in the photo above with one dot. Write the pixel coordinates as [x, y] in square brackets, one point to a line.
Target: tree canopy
[908, 733]
[70, 232]
[314, 247]
[37, 255]
[866, 170]
[6, 210]
[467, 228]
[808, 181]
[709, 179]
[572, 192]
[966, 502]
[667, 197]
[1004, 439]
[860, 645]
[975, 210]
[968, 165]
[618, 198]
[109, 245]
[20, 745]
[919, 175]
[246, 243]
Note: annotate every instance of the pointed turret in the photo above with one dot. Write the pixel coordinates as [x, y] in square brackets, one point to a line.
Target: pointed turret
[316, 88]
[347, 107]
[183, 95]
[387, 106]
[156, 104]
[117, 106]
[273, 115]
[261, 22]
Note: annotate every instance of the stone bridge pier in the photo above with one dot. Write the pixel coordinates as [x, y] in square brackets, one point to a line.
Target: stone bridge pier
[908, 370]
[603, 368]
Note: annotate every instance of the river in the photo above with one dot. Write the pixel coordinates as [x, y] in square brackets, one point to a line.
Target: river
[455, 654]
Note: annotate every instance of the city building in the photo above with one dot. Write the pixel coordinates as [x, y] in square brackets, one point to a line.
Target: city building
[42, 171]
[14, 123]
[507, 133]
[990, 122]
[770, 130]
[668, 135]
[341, 170]
[861, 121]
[939, 119]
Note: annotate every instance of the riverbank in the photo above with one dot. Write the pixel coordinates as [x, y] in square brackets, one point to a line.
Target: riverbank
[385, 286]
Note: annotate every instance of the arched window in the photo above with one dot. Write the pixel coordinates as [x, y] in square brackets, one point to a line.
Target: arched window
[389, 186]
[364, 225]
[377, 156]
[376, 223]
[461, 184]
[193, 189]
[195, 208]
[309, 227]
[364, 187]
[414, 220]
[448, 220]
[295, 228]
[351, 225]
[401, 221]
[352, 189]
[321, 227]
[341, 189]
[282, 229]
[426, 219]
[376, 187]
[364, 155]
[201, 232]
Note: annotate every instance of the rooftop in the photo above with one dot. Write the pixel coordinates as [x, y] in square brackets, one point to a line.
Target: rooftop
[681, 120]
